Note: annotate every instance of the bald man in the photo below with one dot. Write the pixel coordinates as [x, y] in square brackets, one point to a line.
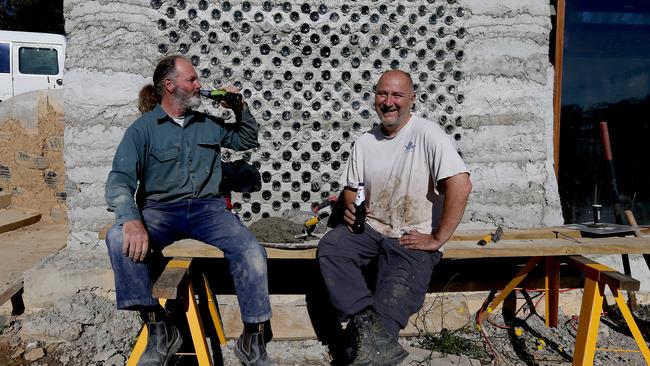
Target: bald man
[416, 190]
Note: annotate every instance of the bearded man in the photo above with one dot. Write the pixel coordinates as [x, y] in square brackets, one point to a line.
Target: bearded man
[171, 156]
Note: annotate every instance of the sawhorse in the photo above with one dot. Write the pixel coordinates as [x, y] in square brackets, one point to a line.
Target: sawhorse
[175, 282]
[596, 277]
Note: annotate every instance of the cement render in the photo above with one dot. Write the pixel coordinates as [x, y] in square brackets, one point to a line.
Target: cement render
[507, 85]
[66, 273]
[21, 108]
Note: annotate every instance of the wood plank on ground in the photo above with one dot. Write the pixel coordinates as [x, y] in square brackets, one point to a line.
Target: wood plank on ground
[7, 294]
[12, 219]
[21, 249]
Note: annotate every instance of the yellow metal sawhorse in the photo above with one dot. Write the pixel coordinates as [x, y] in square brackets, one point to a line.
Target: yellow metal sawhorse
[176, 276]
[596, 277]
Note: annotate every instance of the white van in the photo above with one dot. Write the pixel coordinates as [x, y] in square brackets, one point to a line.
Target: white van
[30, 61]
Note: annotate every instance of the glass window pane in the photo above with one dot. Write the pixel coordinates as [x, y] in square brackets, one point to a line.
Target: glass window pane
[606, 78]
[40, 61]
[4, 58]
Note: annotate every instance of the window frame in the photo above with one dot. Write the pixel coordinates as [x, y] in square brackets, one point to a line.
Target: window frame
[29, 72]
[8, 54]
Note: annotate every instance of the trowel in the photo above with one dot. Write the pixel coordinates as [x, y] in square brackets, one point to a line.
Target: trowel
[601, 229]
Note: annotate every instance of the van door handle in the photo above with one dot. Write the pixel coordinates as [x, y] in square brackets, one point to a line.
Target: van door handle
[59, 81]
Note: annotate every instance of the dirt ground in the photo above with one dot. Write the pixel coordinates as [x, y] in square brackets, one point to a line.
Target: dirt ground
[23, 248]
[87, 330]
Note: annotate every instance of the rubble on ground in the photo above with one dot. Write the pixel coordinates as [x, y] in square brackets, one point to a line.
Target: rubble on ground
[86, 329]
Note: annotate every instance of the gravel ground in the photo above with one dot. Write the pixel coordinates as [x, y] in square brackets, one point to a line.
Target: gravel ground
[85, 329]
[521, 337]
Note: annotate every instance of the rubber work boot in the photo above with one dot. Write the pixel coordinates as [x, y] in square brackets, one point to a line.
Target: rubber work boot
[163, 341]
[372, 343]
[251, 348]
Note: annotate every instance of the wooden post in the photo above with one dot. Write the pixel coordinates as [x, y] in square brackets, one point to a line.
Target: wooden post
[552, 282]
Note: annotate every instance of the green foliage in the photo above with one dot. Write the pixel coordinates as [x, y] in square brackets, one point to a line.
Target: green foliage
[453, 343]
[32, 16]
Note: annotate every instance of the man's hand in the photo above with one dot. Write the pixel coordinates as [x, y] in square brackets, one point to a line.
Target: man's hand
[419, 241]
[136, 240]
[348, 214]
[233, 90]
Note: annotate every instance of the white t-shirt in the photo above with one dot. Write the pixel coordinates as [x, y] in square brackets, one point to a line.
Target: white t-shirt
[400, 175]
[180, 120]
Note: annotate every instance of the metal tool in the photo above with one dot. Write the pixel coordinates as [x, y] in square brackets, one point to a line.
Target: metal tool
[310, 225]
[601, 230]
[491, 237]
[559, 234]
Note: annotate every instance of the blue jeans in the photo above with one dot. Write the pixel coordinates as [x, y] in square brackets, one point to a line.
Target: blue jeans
[206, 220]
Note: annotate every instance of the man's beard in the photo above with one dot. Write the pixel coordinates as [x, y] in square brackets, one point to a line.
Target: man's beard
[186, 100]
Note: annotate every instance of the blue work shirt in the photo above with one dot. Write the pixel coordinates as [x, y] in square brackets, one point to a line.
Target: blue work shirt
[167, 162]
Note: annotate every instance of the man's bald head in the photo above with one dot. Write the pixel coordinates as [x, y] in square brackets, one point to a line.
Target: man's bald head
[398, 74]
[394, 98]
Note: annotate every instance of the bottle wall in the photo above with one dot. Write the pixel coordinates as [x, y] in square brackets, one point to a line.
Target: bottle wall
[307, 71]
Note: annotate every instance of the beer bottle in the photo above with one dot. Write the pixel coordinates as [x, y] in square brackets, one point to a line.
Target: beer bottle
[360, 211]
[234, 100]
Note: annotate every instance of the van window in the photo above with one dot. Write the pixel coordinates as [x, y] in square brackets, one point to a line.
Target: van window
[4, 58]
[40, 61]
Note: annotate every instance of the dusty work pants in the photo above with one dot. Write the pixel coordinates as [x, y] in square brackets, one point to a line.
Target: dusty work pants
[206, 220]
[401, 281]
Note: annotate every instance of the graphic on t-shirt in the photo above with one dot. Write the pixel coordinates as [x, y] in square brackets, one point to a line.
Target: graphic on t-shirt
[410, 147]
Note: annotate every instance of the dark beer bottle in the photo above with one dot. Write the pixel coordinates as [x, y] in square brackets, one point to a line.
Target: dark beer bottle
[233, 100]
[360, 211]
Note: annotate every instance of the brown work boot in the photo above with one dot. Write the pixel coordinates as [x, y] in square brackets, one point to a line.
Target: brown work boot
[251, 348]
[163, 341]
[372, 344]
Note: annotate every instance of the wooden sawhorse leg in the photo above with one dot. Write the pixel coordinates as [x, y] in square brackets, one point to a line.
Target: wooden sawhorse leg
[592, 302]
[592, 305]
[552, 283]
[511, 285]
[214, 311]
[193, 317]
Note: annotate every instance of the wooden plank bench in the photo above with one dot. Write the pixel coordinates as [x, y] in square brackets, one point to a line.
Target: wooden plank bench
[553, 252]
[556, 248]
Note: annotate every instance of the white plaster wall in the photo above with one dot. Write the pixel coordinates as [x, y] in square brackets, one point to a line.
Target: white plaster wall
[109, 58]
[507, 141]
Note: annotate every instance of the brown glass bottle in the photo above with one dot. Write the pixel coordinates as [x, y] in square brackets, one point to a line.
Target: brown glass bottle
[360, 211]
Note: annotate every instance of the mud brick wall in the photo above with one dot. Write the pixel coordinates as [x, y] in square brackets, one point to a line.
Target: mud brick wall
[31, 153]
[307, 69]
